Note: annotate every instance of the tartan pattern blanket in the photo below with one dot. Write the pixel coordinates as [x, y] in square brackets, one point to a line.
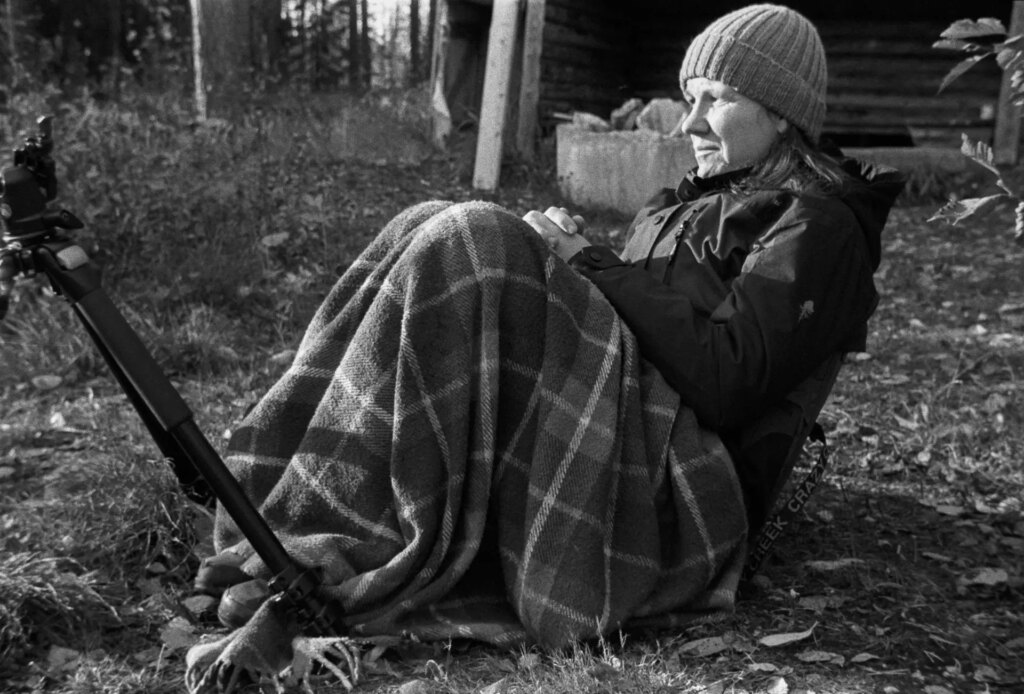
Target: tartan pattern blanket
[470, 445]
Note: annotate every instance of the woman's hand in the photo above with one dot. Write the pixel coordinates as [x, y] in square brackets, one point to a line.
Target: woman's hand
[562, 231]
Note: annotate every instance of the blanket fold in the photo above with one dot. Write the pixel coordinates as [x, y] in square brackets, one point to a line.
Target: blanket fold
[469, 444]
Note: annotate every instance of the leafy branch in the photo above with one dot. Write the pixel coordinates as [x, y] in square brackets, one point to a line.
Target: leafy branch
[981, 39]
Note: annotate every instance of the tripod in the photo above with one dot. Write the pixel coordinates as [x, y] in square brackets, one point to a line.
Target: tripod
[34, 243]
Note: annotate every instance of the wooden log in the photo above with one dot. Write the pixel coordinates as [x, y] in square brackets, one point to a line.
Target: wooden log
[1006, 138]
[501, 44]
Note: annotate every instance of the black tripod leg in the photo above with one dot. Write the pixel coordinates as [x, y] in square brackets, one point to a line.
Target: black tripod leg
[192, 482]
[172, 426]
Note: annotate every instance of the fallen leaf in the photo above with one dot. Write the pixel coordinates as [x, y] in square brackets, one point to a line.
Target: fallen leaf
[821, 657]
[272, 240]
[46, 382]
[937, 689]
[200, 604]
[178, 634]
[820, 602]
[284, 357]
[762, 667]
[147, 656]
[777, 685]
[60, 659]
[704, 647]
[602, 672]
[497, 687]
[906, 423]
[528, 661]
[415, 687]
[833, 564]
[950, 509]
[774, 640]
[986, 673]
[984, 576]
[863, 658]
[936, 557]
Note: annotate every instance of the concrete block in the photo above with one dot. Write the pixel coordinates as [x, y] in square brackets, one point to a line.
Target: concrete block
[618, 170]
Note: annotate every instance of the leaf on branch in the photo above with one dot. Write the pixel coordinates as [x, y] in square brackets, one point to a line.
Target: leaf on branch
[950, 45]
[956, 211]
[985, 29]
[980, 152]
[1015, 43]
[960, 68]
[1009, 58]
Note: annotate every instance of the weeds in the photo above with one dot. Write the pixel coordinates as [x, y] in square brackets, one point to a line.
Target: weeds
[45, 600]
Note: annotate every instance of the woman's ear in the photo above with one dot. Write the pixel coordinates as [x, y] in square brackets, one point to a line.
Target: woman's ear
[781, 124]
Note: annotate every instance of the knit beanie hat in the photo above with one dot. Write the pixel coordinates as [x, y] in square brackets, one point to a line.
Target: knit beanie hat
[769, 53]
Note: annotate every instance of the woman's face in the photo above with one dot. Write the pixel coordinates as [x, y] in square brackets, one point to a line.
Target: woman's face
[728, 131]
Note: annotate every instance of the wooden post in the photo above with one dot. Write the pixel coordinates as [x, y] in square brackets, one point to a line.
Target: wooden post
[441, 117]
[529, 87]
[501, 41]
[1006, 139]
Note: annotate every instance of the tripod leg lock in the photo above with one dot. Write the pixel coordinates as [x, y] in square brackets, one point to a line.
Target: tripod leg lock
[301, 589]
[71, 257]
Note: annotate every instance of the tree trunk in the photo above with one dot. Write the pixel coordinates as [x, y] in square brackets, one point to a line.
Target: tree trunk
[115, 14]
[222, 50]
[365, 47]
[431, 22]
[267, 36]
[18, 15]
[415, 63]
[354, 48]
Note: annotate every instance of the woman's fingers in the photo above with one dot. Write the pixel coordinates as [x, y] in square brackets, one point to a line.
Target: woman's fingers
[569, 223]
[560, 230]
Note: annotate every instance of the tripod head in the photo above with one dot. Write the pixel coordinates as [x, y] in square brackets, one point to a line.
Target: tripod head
[25, 189]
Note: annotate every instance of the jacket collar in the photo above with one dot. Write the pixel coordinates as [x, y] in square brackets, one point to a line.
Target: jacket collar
[693, 186]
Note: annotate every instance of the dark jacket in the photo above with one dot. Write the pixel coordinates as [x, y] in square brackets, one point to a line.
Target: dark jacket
[738, 299]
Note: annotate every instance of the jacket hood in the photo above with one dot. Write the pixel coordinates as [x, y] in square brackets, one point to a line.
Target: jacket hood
[871, 196]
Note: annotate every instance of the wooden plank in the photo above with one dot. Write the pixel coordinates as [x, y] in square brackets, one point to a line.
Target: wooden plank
[529, 85]
[501, 44]
[1006, 138]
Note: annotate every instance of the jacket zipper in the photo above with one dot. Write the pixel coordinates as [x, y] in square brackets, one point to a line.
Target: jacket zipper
[675, 249]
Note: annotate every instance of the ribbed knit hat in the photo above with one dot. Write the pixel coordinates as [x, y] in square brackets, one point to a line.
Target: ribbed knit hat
[770, 54]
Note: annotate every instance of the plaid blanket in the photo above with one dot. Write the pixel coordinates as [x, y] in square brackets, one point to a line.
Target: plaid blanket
[470, 445]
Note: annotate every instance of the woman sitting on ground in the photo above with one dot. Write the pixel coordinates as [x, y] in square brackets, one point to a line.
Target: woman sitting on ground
[483, 438]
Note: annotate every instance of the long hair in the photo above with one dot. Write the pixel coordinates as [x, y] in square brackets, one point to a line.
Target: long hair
[794, 164]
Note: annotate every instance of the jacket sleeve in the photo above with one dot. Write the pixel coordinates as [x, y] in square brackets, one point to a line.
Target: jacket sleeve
[805, 292]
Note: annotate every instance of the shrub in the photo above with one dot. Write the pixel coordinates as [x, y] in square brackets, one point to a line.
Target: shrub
[982, 39]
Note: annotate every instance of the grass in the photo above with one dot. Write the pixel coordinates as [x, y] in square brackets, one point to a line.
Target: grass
[217, 243]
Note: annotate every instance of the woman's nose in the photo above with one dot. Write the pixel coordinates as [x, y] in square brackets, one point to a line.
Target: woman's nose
[694, 122]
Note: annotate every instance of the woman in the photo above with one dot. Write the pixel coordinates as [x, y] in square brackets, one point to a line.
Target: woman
[478, 439]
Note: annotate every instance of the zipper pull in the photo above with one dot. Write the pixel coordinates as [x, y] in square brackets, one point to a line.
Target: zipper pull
[675, 250]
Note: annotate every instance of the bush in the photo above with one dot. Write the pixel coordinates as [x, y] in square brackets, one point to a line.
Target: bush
[982, 39]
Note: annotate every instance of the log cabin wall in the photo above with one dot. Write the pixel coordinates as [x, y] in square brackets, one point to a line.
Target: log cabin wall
[883, 72]
[586, 57]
